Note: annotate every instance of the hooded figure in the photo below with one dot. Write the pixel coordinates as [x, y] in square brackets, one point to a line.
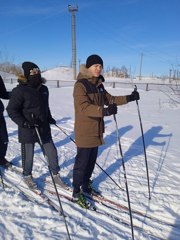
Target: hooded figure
[29, 109]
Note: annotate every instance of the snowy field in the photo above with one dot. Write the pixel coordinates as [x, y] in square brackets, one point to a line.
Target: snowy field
[21, 219]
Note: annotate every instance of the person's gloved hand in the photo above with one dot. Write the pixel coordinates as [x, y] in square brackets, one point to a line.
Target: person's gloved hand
[52, 121]
[111, 109]
[134, 96]
[29, 125]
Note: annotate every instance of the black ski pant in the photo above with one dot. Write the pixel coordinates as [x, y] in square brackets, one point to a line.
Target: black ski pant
[3, 139]
[83, 168]
[27, 151]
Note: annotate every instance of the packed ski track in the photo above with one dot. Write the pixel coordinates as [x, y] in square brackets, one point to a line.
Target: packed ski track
[158, 218]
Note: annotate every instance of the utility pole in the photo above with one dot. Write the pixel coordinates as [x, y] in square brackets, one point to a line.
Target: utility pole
[170, 71]
[73, 10]
[140, 66]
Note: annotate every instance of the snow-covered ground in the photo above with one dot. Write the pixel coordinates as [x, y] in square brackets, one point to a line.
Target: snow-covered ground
[21, 219]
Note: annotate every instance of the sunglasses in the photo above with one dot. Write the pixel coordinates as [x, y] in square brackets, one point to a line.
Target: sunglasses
[34, 71]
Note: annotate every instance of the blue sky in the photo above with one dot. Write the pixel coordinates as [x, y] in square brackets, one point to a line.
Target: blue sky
[118, 30]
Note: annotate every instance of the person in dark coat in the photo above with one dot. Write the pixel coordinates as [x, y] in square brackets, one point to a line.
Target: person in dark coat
[90, 98]
[29, 109]
[4, 94]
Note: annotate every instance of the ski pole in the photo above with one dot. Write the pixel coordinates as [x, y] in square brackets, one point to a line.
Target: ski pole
[145, 156]
[110, 177]
[59, 200]
[96, 162]
[2, 180]
[64, 133]
[125, 177]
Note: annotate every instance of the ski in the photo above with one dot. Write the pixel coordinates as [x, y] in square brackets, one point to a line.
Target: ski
[12, 178]
[97, 198]
[101, 212]
[116, 206]
[110, 204]
[89, 204]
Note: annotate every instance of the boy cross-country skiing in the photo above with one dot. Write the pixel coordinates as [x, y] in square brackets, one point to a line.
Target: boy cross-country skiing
[90, 99]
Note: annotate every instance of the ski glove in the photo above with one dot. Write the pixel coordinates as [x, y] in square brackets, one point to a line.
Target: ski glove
[111, 109]
[52, 121]
[134, 96]
[29, 125]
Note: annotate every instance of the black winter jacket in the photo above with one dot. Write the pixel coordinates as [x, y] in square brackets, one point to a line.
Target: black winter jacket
[32, 105]
[3, 94]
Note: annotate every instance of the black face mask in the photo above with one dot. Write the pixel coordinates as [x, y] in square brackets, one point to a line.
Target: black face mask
[34, 80]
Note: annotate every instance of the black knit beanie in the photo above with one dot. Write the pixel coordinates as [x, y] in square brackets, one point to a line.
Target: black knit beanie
[27, 67]
[94, 59]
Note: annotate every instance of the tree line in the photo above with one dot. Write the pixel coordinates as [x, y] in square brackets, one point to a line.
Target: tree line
[9, 67]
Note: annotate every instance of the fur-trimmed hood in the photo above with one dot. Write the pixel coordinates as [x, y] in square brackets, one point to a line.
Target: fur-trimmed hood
[84, 74]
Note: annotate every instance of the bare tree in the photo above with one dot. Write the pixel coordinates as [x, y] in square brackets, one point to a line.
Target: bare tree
[10, 68]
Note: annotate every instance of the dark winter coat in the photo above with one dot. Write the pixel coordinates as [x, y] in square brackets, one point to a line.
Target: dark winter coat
[3, 129]
[89, 101]
[3, 94]
[32, 105]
